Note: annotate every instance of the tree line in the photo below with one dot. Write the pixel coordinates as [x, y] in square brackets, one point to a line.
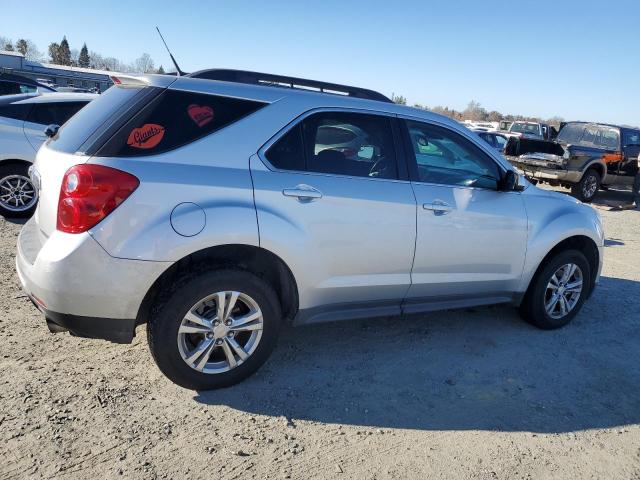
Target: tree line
[62, 54]
[476, 112]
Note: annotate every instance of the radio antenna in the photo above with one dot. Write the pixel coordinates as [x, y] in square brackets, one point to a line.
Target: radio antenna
[178, 71]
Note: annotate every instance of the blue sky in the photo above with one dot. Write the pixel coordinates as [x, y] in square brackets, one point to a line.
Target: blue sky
[576, 59]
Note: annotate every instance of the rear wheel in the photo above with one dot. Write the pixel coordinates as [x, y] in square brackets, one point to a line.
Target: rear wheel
[18, 196]
[558, 290]
[585, 190]
[215, 330]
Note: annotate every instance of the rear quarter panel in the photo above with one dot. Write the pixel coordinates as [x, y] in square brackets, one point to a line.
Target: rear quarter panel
[212, 172]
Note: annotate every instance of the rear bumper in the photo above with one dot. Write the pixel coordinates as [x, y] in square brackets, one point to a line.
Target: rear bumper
[116, 330]
[79, 286]
[547, 173]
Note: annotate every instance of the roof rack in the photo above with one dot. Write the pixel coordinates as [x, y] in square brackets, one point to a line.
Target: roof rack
[256, 78]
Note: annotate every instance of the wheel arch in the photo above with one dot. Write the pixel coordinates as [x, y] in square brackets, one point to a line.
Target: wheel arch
[15, 161]
[599, 167]
[582, 243]
[259, 261]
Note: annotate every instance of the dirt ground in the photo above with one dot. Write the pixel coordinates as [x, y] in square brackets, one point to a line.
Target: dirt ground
[465, 394]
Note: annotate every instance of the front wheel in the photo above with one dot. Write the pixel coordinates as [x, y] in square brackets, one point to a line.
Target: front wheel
[18, 196]
[558, 290]
[585, 190]
[215, 330]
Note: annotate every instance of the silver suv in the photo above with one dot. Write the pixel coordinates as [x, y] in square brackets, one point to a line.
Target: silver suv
[218, 211]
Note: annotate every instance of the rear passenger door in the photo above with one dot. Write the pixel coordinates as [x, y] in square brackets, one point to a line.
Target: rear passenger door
[48, 113]
[334, 202]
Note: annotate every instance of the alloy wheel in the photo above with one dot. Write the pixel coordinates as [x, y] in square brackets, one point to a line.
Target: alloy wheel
[17, 193]
[220, 332]
[590, 186]
[563, 291]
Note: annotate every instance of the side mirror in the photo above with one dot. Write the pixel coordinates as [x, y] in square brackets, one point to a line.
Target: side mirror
[51, 130]
[509, 181]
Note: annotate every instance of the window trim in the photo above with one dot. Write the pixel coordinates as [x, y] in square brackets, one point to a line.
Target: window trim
[398, 144]
[412, 165]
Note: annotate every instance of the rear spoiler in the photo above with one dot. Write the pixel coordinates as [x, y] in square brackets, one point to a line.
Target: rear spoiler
[129, 80]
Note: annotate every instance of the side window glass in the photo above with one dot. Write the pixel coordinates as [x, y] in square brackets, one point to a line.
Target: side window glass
[500, 141]
[288, 153]
[173, 119]
[631, 138]
[353, 144]
[445, 157]
[58, 113]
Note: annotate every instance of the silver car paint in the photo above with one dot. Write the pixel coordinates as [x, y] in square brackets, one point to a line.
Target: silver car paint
[353, 245]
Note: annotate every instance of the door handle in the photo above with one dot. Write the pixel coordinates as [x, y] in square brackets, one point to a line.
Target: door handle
[303, 193]
[438, 207]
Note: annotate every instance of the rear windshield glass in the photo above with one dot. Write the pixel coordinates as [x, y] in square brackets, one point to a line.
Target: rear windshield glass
[173, 119]
[77, 130]
[590, 135]
[525, 128]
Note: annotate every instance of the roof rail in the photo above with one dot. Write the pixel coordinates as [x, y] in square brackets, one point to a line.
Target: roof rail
[256, 78]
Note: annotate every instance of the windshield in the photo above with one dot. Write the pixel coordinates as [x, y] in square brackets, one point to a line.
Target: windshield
[525, 128]
[590, 135]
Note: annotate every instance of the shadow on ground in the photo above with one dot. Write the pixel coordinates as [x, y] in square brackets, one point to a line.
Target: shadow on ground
[472, 369]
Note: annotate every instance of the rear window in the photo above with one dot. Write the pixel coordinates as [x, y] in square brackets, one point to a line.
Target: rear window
[17, 111]
[173, 119]
[76, 132]
[54, 112]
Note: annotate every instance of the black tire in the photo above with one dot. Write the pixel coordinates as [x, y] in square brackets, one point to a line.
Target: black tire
[583, 190]
[7, 171]
[165, 319]
[533, 309]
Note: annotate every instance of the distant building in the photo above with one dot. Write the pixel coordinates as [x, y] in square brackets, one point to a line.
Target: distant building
[56, 75]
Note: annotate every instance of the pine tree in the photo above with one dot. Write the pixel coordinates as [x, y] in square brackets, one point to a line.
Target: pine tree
[22, 46]
[160, 70]
[64, 52]
[83, 60]
[9, 47]
[54, 53]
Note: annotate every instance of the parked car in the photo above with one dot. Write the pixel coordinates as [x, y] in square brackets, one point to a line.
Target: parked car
[23, 119]
[495, 139]
[584, 157]
[12, 84]
[206, 210]
[535, 130]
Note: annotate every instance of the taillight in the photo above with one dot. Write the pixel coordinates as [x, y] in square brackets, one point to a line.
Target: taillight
[89, 193]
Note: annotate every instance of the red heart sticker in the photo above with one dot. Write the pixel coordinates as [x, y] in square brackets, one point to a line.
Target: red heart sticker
[146, 136]
[200, 114]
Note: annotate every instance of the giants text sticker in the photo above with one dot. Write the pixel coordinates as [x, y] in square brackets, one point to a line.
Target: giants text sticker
[200, 114]
[146, 136]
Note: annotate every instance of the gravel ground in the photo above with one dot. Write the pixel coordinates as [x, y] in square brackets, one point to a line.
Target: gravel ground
[466, 394]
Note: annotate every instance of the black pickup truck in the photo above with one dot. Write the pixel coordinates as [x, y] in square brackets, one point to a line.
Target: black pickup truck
[584, 157]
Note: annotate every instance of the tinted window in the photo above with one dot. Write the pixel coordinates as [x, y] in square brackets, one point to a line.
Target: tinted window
[112, 103]
[57, 113]
[173, 119]
[339, 143]
[288, 152]
[631, 137]
[363, 148]
[487, 138]
[18, 111]
[445, 157]
[9, 88]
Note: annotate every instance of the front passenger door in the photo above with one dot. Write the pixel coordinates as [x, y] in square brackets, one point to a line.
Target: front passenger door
[472, 238]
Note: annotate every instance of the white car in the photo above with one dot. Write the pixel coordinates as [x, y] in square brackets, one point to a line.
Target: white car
[23, 120]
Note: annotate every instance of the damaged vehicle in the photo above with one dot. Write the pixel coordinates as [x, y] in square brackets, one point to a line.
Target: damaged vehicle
[585, 157]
